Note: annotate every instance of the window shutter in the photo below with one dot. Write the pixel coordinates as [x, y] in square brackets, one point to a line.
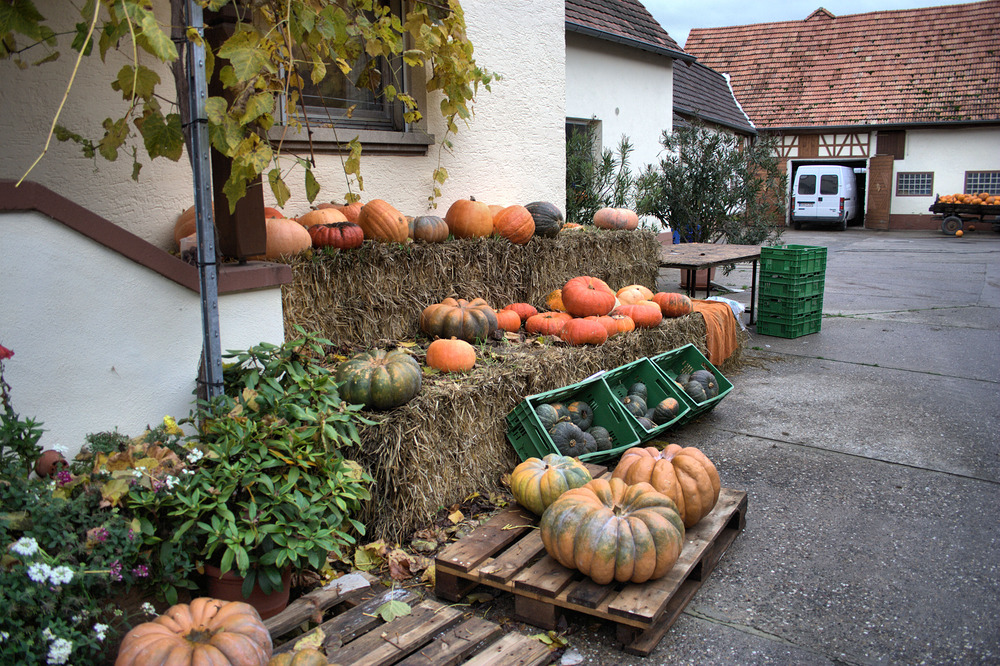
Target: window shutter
[891, 143]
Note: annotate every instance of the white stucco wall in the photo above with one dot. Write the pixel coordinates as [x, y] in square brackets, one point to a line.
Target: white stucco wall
[512, 152]
[101, 342]
[628, 90]
[948, 153]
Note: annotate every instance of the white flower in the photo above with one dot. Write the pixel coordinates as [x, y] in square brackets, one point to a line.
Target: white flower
[39, 572]
[47, 633]
[61, 449]
[195, 456]
[100, 630]
[4, 636]
[137, 473]
[25, 547]
[171, 481]
[59, 651]
[148, 608]
[61, 575]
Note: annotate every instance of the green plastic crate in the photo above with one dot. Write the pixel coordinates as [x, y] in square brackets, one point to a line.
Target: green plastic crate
[531, 440]
[791, 286]
[789, 306]
[789, 327]
[793, 259]
[687, 359]
[658, 387]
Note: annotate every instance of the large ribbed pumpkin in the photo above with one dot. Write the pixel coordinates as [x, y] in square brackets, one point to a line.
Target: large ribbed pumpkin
[523, 310]
[340, 235]
[381, 222]
[515, 224]
[285, 237]
[673, 305]
[686, 475]
[536, 483]
[587, 331]
[206, 631]
[609, 530]
[615, 324]
[634, 293]
[585, 296]
[430, 229]
[458, 318]
[321, 216]
[644, 316]
[547, 323]
[348, 210]
[451, 355]
[379, 379]
[468, 218]
[548, 218]
[616, 218]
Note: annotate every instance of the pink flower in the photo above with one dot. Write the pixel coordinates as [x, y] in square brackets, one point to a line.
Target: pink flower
[140, 571]
[63, 477]
[116, 571]
[5, 353]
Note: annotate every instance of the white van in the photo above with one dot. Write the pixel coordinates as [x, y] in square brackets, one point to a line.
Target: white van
[824, 193]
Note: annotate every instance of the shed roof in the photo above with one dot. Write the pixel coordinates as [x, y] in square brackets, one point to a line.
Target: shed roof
[910, 66]
[703, 92]
[623, 21]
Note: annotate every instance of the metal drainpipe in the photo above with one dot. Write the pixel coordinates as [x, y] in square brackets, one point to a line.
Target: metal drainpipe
[208, 270]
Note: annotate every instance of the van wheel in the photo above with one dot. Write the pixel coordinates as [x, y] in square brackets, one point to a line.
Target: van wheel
[843, 225]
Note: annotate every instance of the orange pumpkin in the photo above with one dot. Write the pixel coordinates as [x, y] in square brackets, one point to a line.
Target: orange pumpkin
[515, 224]
[348, 210]
[615, 324]
[583, 332]
[547, 323]
[381, 222]
[185, 225]
[685, 475]
[451, 355]
[208, 631]
[303, 657]
[554, 301]
[321, 216]
[644, 316]
[523, 310]
[616, 218]
[272, 212]
[509, 321]
[673, 305]
[468, 218]
[584, 296]
[285, 237]
[633, 293]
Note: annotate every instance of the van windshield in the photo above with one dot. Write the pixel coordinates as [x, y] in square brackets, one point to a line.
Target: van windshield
[828, 184]
[807, 184]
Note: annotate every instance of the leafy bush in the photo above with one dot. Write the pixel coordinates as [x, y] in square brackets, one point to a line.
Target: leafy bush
[592, 183]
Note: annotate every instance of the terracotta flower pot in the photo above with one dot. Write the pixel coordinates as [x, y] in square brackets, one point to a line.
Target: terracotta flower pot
[49, 463]
[229, 587]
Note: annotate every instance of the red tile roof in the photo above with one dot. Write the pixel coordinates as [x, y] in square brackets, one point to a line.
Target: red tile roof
[623, 21]
[908, 66]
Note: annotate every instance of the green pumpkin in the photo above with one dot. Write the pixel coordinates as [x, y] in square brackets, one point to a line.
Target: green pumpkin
[697, 392]
[708, 382]
[635, 405]
[379, 379]
[548, 218]
[646, 423]
[665, 411]
[547, 415]
[570, 440]
[538, 483]
[602, 437]
[638, 389]
[581, 414]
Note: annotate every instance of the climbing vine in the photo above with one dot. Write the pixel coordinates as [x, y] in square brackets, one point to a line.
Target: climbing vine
[276, 46]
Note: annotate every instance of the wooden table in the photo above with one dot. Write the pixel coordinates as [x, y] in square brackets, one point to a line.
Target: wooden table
[692, 257]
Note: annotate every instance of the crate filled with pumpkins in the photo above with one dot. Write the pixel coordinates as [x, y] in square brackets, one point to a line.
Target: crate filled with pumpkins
[626, 527]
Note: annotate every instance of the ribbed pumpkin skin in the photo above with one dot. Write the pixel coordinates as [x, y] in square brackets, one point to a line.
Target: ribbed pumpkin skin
[644, 316]
[578, 332]
[614, 324]
[509, 321]
[547, 323]
[523, 310]
[468, 218]
[548, 218]
[285, 237]
[430, 229]
[206, 631]
[341, 235]
[634, 293]
[381, 222]
[685, 475]
[379, 379]
[458, 318]
[609, 530]
[536, 483]
[321, 216]
[673, 305]
[451, 355]
[515, 224]
[586, 296]
[554, 301]
[616, 218]
[348, 210]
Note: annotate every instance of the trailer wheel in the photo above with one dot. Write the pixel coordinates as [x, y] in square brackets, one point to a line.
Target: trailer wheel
[951, 224]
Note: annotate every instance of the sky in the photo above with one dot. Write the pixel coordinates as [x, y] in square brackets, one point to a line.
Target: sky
[678, 18]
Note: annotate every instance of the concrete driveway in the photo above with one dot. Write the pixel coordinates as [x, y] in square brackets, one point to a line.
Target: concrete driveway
[870, 452]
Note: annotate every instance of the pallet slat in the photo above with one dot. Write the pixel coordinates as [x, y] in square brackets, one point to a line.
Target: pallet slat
[512, 650]
[455, 645]
[495, 534]
[400, 637]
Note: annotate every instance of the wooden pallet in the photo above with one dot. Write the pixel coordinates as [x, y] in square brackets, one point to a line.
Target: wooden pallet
[433, 634]
[507, 553]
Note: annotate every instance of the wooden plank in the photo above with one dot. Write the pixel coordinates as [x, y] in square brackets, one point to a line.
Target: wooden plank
[492, 536]
[452, 586]
[596, 470]
[506, 565]
[589, 594]
[646, 641]
[705, 255]
[455, 645]
[312, 605]
[513, 650]
[387, 644]
[546, 577]
[540, 613]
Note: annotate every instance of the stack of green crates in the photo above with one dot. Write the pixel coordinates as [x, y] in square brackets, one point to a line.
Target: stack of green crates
[790, 298]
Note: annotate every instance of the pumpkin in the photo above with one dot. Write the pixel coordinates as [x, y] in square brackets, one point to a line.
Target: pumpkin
[707, 381]
[581, 414]
[272, 212]
[609, 530]
[673, 305]
[509, 321]
[616, 218]
[548, 218]
[350, 211]
[206, 631]
[571, 440]
[379, 379]
[523, 310]
[644, 316]
[304, 657]
[342, 235]
[285, 237]
[430, 229]
[554, 301]
[515, 224]
[458, 318]
[636, 405]
[696, 390]
[547, 415]
[585, 296]
[638, 389]
[578, 332]
[381, 222]
[468, 218]
[185, 225]
[634, 292]
[536, 483]
[684, 474]
[451, 355]
[547, 323]
[602, 437]
[665, 411]
[645, 422]
[321, 216]
[614, 324]
[572, 226]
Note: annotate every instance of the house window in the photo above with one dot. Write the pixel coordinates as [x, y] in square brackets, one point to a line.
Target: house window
[914, 183]
[982, 181]
[577, 126]
[891, 143]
